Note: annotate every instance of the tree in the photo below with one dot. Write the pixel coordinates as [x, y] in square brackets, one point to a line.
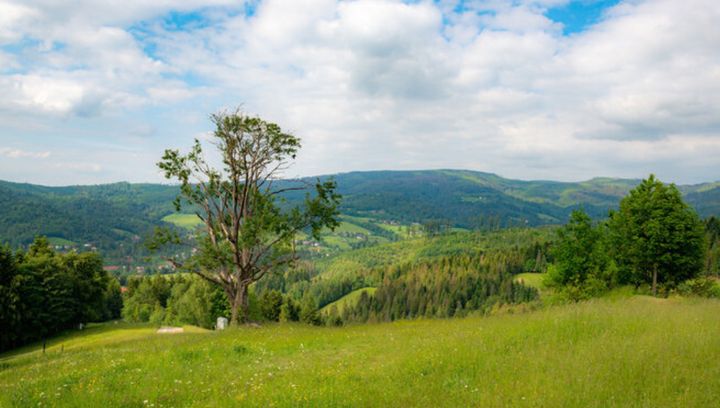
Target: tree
[289, 311]
[43, 292]
[247, 233]
[270, 304]
[582, 265]
[309, 312]
[9, 299]
[712, 256]
[656, 236]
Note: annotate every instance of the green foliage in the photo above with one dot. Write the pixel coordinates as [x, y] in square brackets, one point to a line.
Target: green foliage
[309, 312]
[656, 236]
[712, 240]
[174, 300]
[112, 216]
[246, 233]
[583, 268]
[701, 286]
[270, 305]
[289, 311]
[43, 292]
[443, 288]
[332, 278]
[653, 239]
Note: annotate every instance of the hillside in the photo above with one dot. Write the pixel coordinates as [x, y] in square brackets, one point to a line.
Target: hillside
[634, 351]
[330, 278]
[472, 199]
[379, 207]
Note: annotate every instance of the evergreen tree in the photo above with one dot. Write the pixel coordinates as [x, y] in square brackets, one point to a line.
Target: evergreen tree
[289, 311]
[309, 312]
[9, 300]
[270, 304]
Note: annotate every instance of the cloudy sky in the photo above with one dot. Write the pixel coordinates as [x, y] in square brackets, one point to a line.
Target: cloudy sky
[93, 91]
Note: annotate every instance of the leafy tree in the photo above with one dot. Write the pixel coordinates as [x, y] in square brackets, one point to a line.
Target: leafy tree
[247, 233]
[575, 250]
[113, 300]
[582, 265]
[657, 237]
[270, 304]
[43, 292]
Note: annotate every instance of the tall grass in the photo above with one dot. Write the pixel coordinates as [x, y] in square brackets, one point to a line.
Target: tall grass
[623, 352]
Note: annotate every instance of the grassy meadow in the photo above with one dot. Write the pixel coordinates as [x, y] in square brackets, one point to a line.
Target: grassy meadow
[350, 299]
[187, 221]
[626, 351]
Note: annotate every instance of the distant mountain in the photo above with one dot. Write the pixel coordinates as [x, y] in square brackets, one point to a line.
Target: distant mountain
[473, 199]
[114, 217]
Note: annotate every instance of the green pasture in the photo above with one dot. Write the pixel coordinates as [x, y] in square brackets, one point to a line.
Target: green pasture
[628, 351]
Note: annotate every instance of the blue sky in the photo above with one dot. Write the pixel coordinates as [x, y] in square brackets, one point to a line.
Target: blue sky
[552, 89]
[577, 16]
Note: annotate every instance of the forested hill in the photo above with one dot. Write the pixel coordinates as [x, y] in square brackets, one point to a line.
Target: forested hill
[106, 215]
[472, 199]
[111, 217]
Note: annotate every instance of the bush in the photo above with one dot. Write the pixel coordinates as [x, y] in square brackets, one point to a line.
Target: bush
[158, 315]
[703, 286]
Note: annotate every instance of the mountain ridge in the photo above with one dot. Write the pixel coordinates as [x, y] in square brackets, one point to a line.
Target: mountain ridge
[108, 215]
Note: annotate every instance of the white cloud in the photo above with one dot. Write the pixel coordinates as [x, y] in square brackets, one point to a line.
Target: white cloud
[17, 154]
[384, 84]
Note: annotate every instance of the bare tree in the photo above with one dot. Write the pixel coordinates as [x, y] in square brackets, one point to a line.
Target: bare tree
[246, 232]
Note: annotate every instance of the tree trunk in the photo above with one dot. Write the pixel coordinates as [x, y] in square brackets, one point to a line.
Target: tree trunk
[654, 284]
[239, 306]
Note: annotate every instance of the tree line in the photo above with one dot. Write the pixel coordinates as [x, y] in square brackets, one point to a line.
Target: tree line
[188, 299]
[43, 292]
[653, 241]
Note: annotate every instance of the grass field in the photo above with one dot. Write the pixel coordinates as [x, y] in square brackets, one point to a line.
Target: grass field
[60, 241]
[532, 279]
[187, 221]
[349, 299]
[637, 351]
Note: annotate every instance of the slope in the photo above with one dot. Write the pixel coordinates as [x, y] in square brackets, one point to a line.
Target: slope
[630, 352]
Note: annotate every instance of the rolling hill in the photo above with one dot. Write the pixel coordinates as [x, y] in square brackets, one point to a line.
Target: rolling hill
[379, 206]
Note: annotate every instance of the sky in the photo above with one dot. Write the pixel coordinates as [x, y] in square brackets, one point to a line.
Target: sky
[93, 91]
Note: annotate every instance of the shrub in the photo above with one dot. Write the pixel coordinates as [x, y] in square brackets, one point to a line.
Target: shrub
[703, 286]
